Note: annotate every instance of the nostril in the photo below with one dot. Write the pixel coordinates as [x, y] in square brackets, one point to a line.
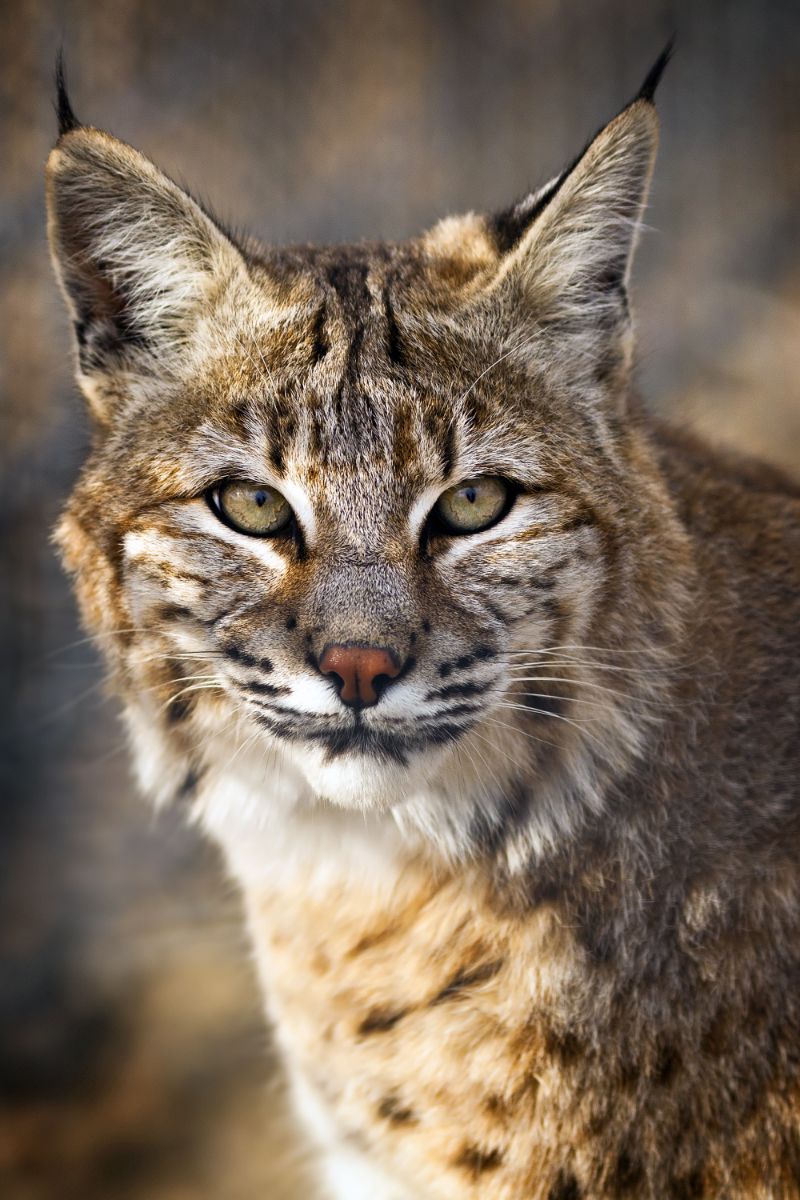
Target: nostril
[340, 680]
[362, 672]
[380, 683]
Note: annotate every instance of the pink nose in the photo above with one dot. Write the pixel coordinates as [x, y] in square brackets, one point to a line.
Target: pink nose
[359, 670]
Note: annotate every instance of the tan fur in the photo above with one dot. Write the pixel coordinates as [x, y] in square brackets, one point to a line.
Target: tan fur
[435, 1027]
[529, 926]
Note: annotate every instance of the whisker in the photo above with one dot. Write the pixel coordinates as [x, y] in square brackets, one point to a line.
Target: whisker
[585, 683]
[516, 729]
[566, 699]
[520, 345]
[95, 638]
[506, 754]
[557, 716]
[195, 687]
[70, 704]
[557, 647]
[553, 663]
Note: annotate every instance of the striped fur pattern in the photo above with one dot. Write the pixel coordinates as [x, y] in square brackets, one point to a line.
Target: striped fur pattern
[529, 925]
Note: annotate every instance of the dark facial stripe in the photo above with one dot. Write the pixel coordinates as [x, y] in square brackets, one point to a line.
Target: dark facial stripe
[319, 340]
[394, 344]
[247, 660]
[264, 689]
[458, 689]
[348, 279]
[449, 450]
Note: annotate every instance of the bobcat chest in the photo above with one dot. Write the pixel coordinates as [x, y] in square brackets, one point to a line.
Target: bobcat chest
[429, 1027]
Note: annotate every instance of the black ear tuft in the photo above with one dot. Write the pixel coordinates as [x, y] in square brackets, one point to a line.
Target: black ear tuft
[648, 89]
[67, 121]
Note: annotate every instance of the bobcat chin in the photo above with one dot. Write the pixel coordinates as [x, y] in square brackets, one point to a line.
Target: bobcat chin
[484, 680]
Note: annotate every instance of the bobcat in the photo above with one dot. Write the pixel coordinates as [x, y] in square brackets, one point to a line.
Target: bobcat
[484, 680]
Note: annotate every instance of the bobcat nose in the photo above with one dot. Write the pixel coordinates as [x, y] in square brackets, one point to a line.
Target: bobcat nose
[361, 672]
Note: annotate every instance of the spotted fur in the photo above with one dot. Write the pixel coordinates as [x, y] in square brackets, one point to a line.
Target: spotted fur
[530, 925]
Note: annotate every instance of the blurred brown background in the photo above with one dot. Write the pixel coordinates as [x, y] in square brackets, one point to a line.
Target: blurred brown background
[133, 1062]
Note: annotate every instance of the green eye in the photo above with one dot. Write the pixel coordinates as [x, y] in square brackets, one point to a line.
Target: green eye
[252, 508]
[473, 505]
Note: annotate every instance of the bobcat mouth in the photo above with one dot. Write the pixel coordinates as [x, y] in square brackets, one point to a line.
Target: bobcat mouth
[357, 738]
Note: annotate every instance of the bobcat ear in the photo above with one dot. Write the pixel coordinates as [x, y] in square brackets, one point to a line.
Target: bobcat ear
[566, 250]
[135, 254]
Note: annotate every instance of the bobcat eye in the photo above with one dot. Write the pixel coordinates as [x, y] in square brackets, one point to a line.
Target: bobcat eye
[473, 505]
[252, 508]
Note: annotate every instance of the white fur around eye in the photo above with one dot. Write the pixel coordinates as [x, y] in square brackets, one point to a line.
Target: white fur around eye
[303, 510]
[421, 509]
[526, 511]
[260, 548]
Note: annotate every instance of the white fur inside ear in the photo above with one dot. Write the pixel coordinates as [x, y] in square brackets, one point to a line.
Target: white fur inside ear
[586, 234]
[130, 246]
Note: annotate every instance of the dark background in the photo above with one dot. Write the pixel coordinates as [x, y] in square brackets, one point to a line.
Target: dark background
[133, 1061]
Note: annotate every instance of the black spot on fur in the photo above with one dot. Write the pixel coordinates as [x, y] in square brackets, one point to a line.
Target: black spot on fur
[667, 1065]
[467, 978]
[566, 1187]
[477, 1162]
[627, 1173]
[380, 1020]
[564, 1045]
[390, 1109]
[483, 652]
[688, 1187]
[426, 626]
[291, 623]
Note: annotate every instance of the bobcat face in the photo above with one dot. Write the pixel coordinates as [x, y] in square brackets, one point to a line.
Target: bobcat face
[372, 508]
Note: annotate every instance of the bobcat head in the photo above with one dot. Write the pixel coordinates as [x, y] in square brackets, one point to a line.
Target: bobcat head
[382, 515]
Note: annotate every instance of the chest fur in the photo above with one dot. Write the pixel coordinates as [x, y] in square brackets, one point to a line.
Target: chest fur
[432, 1029]
[450, 1043]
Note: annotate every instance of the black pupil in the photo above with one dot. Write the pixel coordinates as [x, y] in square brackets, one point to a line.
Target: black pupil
[261, 499]
[471, 494]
